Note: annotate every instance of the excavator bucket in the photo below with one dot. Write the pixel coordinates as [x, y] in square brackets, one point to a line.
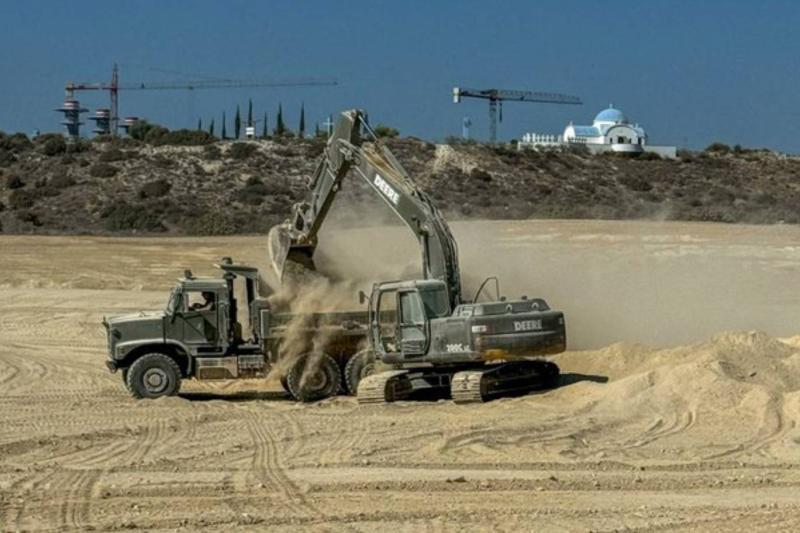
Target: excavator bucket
[288, 257]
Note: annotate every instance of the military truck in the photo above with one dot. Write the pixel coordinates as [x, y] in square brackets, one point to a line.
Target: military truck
[199, 335]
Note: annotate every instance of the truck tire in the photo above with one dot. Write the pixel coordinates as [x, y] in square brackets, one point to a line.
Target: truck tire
[359, 366]
[154, 375]
[285, 385]
[317, 383]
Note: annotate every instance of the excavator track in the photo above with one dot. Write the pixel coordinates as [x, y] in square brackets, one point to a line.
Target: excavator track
[389, 386]
[502, 380]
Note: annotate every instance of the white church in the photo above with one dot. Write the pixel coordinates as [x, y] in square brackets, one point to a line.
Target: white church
[610, 131]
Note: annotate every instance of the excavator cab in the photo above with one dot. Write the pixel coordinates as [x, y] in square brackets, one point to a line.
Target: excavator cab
[401, 314]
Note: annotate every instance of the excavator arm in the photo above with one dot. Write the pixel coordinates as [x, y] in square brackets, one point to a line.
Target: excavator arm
[292, 244]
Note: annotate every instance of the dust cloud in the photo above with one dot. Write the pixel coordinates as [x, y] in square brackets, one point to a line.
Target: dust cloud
[656, 283]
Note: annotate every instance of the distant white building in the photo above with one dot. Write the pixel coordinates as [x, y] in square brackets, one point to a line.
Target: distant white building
[610, 131]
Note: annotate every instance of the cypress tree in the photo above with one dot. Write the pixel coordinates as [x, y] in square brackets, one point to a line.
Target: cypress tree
[265, 132]
[211, 128]
[237, 123]
[302, 129]
[250, 112]
[280, 127]
[199, 124]
[224, 132]
[316, 129]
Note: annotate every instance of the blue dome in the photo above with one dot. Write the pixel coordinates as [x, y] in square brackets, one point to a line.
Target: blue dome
[610, 115]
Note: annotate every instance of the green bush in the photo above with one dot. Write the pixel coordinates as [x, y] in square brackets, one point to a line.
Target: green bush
[649, 156]
[382, 130]
[140, 129]
[122, 216]
[480, 175]
[52, 144]
[111, 155]
[158, 136]
[7, 158]
[253, 192]
[212, 152]
[103, 170]
[635, 183]
[212, 222]
[22, 199]
[155, 189]
[61, 181]
[718, 147]
[686, 156]
[29, 217]
[14, 182]
[242, 150]
[16, 143]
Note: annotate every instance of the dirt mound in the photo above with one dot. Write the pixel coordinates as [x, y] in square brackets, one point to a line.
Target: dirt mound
[735, 394]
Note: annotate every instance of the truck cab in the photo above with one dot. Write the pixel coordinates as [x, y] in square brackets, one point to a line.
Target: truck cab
[198, 334]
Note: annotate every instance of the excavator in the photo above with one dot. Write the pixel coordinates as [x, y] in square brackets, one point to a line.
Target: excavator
[423, 332]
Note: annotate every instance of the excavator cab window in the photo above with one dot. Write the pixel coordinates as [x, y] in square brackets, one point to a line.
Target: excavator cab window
[435, 300]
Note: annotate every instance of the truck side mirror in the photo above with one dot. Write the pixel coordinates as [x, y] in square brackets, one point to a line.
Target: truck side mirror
[362, 297]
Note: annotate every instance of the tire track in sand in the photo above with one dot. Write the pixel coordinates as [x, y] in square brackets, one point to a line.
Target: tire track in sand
[269, 469]
[74, 508]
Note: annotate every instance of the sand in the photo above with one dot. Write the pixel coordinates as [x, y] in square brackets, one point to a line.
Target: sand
[678, 410]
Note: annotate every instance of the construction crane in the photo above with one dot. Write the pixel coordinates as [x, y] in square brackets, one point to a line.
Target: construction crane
[115, 86]
[497, 96]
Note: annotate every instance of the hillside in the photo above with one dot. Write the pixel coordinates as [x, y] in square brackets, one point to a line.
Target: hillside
[47, 186]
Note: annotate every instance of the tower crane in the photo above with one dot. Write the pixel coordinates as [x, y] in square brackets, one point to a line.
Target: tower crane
[497, 96]
[114, 86]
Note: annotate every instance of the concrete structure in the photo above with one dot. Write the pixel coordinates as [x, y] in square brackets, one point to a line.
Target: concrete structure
[610, 131]
[102, 119]
[72, 111]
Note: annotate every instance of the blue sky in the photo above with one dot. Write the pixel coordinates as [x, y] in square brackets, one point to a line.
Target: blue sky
[689, 72]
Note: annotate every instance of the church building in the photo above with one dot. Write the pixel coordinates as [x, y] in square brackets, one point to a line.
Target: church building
[610, 131]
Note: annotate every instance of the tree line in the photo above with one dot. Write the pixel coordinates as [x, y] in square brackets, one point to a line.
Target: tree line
[261, 126]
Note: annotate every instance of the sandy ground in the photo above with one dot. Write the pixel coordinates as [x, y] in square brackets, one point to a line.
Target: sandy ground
[673, 414]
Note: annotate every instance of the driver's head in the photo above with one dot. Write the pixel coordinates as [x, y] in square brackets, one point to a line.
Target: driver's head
[208, 296]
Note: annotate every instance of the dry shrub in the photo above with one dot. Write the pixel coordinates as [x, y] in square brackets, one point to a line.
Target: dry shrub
[103, 170]
[155, 189]
[242, 151]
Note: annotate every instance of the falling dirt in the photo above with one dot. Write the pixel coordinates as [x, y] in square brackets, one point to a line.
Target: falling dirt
[678, 409]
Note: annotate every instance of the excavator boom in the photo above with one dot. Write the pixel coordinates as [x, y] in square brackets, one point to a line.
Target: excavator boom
[292, 244]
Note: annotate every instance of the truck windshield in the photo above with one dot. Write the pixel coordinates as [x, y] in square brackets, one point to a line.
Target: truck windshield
[174, 300]
[435, 301]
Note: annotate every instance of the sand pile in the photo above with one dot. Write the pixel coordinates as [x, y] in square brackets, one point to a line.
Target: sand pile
[737, 394]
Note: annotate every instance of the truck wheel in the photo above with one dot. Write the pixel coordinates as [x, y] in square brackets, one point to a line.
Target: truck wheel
[309, 383]
[154, 375]
[285, 385]
[359, 366]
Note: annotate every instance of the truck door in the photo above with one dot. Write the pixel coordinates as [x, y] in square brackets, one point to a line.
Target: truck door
[413, 326]
[199, 318]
